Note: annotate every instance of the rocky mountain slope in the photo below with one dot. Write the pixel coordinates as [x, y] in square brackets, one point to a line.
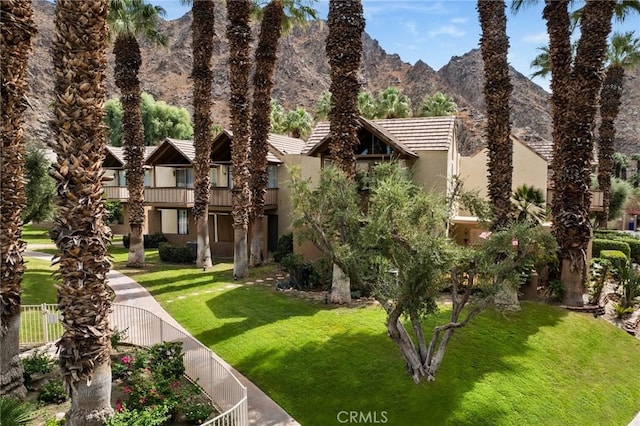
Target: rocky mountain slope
[302, 75]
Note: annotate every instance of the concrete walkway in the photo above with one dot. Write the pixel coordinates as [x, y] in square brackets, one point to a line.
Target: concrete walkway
[263, 410]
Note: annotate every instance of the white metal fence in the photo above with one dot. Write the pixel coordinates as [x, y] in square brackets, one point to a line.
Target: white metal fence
[40, 324]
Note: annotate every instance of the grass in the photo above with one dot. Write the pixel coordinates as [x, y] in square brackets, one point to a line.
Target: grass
[542, 366]
[36, 234]
[37, 283]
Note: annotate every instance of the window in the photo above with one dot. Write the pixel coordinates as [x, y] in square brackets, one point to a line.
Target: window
[183, 221]
[272, 172]
[147, 178]
[184, 178]
[121, 178]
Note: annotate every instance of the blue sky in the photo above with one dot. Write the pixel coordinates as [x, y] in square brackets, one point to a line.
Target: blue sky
[434, 31]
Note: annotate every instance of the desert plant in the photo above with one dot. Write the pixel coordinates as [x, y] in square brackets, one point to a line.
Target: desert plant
[52, 392]
[599, 272]
[621, 311]
[117, 336]
[629, 285]
[14, 412]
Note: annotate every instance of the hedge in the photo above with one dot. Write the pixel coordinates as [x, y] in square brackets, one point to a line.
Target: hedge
[616, 257]
[175, 254]
[634, 245]
[600, 244]
[150, 241]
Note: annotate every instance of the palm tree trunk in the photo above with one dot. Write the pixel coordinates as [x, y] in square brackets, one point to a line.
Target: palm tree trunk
[494, 45]
[17, 30]
[610, 101]
[202, 75]
[239, 36]
[265, 60]
[128, 60]
[573, 228]
[80, 231]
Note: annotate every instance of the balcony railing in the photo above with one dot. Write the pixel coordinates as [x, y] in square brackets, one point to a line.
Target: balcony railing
[169, 196]
[222, 197]
[116, 193]
[597, 204]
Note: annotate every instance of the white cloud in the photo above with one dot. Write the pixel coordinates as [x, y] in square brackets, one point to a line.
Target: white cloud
[449, 30]
[411, 27]
[538, 38]
[460, 20]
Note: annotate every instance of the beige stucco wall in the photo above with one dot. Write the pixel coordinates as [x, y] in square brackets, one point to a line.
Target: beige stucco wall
[528, 168]
[431, 170]
[309, 168]
[165, 177]
[169, 221]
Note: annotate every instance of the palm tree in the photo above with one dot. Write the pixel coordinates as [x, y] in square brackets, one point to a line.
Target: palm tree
[323, 106]
[367, 105]
[344, 52]
[277, 118]
[494, 45]
[573, 154]
[529, 204]
[620, 164]
[274, 20]
[392, 103]
[128, 20]
[202, 33]
[17, 30]
[440, 104]
[239, 37]
[80, 231]
[298, 123]
[623, 52]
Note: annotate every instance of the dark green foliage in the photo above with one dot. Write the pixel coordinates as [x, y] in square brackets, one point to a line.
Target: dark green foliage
[175, 254]
[284, 247]
[197, 413]
[555, 290]
[599, 271]
[14, 412]
[299, 272]
[155, 415]
[629, 285]
[634, 245]
[40, 188]
[115, 211]
[37, 363]
[52, 392]
[150, 241]
[601, 244]
[167, 360]
[617, 258]
[117, 336]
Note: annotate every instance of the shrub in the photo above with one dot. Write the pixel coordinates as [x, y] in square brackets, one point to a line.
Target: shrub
[175, 254]
[197, 413]
[622, 311]
[299, 272]
[155, 415]
[118, 336]
[634, 246]
[115, 211]
[52, 392]
[601, 244]
[556, 290]
[14, 412]
[284, 247]
[616, 257]
[37, 363]
[167, 360]
[149, 241]
[599, 271]
[322, 273]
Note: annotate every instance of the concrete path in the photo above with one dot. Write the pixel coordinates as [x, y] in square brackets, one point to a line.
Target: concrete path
[263, 410]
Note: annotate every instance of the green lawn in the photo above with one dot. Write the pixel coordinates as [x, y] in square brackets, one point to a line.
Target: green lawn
[36, 234]
[542, 366]
[37, 283]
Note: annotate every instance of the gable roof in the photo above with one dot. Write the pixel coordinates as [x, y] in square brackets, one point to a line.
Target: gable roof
[279, 146]
[406, 135]
[173, 152]
[515, 139]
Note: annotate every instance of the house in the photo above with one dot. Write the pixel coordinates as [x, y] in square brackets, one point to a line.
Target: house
[170, 194]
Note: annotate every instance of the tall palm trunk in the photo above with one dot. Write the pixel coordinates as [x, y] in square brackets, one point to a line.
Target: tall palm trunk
[239, 36]
[558, 27]
[128, 60]
[202, 75]
[610, 101]
[16, 32]
[494, 46]
[265, 62]
[80, 231]
[344, 52]
[573, 228]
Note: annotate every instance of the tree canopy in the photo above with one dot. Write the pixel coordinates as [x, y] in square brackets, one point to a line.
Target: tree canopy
[40, 188]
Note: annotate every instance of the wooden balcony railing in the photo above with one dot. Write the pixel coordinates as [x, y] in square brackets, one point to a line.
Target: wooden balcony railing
[596, 200]
[221, 197]
[116, 193]
[169, 196]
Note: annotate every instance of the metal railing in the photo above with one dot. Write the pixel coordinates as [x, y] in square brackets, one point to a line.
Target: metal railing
[40, 324]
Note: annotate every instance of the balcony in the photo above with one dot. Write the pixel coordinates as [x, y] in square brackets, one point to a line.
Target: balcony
[120, 193]
[221, 198]
[169, 197]
[597, 204]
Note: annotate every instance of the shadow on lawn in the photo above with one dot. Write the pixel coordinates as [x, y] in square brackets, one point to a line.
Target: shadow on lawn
[366, 373]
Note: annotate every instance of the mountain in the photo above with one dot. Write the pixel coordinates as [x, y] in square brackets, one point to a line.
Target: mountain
[302, 74]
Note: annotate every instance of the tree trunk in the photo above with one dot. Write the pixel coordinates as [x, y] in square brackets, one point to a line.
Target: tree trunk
[240, 252]
[135, 258]
[340, 286]
[573, 279]
[257, 241]
[91, 401]
[204, 250]
[506, 297]
[16, 31]
[11, 380]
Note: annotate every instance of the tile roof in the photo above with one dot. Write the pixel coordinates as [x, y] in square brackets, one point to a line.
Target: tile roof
[185, 147]
[286, 144]
[413, 134]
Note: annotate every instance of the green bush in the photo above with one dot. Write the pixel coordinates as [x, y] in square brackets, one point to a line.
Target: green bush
[197, 413]
[617, 258]
[284, 247]
[149, 241]
[174, 254]
[555, 290]
[37, 363]
[634, 245]
[156, 415]
[299, 272]
[601, 244]
[167, 360]
[14, 412]
[52, 393]
[117, 336]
